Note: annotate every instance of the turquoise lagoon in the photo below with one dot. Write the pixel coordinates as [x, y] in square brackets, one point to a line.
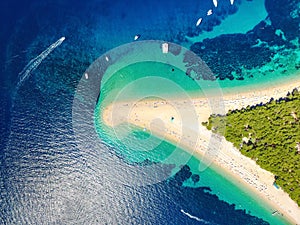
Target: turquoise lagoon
[50, 174]
[134, 147]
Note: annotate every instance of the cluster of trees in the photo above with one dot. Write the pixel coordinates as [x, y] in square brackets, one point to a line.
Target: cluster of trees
[270, 135]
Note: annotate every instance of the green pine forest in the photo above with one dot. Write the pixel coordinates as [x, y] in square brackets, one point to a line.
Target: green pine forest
[269, 134]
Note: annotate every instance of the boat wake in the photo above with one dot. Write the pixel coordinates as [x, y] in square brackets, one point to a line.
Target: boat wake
[29, 68]
[196, 218]
[34, 63]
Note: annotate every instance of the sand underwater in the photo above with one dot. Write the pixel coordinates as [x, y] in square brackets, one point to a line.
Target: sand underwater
[58, 166]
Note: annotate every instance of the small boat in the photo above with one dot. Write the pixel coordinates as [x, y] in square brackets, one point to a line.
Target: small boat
[137, 37]
[231, 2]
[209, 12]
[165, 48]
[198, 22]
[215, 3]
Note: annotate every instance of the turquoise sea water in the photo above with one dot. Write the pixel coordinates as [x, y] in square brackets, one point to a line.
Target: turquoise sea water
[136, 145]
[129, 75]
[59, 164]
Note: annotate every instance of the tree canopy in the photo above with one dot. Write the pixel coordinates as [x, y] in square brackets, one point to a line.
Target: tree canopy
[270, 135]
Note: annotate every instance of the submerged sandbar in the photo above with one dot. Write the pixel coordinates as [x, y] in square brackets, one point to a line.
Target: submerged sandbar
[196, 139]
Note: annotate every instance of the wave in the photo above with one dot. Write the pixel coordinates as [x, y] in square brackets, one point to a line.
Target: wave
[27, 70]
[34, 63]
[196, 218]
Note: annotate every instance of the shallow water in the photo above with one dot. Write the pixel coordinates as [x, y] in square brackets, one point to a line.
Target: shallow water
[55, 171]
[138, 146]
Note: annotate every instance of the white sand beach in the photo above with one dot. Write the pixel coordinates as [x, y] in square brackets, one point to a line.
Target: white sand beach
[179, 116]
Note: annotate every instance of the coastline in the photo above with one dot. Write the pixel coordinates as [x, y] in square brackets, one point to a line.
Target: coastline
[197, 140]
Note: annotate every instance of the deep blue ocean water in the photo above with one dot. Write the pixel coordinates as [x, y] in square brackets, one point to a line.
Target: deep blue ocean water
[46, 175]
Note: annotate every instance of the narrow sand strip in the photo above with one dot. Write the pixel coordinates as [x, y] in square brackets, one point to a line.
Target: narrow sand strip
[178, 116]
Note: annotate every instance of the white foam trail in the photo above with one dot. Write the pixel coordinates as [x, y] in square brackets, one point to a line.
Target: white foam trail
[195, 217]
[31, 66]
[34, 63]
